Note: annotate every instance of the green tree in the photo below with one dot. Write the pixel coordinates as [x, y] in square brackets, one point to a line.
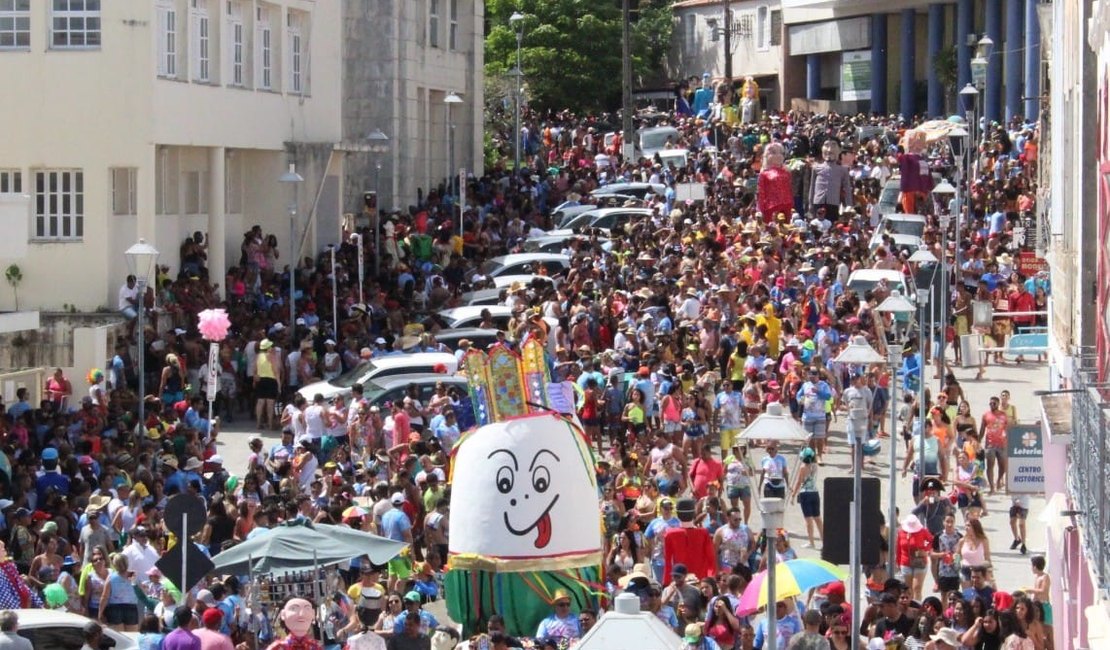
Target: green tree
[945, 66]
[571, 52]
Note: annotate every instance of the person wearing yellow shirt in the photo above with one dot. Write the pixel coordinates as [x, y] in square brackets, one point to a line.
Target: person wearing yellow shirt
[774, 329]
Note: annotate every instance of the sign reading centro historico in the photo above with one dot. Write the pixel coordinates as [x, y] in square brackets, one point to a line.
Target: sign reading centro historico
[1025, 451]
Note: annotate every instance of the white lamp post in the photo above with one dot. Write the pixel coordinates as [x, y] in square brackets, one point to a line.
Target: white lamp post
[450, 99]
[517, 22]
[379, 144]
[857, 352]
[356, 239]
[942, 195]
[894, 304]
[334, 296]
[141, 258]
[292, 179]
[770, 511]
[923, 304]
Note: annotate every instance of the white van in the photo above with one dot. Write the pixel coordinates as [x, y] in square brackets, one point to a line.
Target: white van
[864, 280]
[382, 366]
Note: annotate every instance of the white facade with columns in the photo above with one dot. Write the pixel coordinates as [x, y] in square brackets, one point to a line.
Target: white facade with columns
[158, 118]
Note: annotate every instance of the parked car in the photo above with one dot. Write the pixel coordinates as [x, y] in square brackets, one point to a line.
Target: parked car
[638, 190]
[57, 630]
[480, 338]
[382, 366]
[459, 317]
[864, 280]
[675, 157]
[604, 219]
[652, 140]
[524, 263]
[482, 297]
[528, 279]
[567, 211]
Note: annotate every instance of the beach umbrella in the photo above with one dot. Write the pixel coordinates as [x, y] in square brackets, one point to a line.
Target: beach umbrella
[792, 578]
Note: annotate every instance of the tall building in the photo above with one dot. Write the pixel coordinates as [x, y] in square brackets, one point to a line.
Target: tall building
[160, 118]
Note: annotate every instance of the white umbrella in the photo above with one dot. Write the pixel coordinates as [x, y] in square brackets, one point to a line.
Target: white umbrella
[858, 352]
[773, 424]
[895, 303]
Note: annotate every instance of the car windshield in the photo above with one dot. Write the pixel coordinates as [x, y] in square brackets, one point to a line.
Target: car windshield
[348, 379]
[657, 139]
[906, 227]
[580, 221]
[860, 286]
[889, 197]
[489, 267]
[372, 391]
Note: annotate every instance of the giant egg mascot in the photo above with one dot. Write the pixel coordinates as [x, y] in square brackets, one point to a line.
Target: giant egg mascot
[525, 522]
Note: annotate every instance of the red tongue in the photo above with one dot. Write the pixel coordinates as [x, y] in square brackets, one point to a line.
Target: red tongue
[543, 531]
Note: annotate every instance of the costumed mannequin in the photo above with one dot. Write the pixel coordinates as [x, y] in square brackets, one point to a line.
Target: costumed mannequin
[521, 486]
[390, 247]
[297, 616]
[749, 102]
[831, 186]
[917, 180]
[688, 544]
[774, 192]
[703, 97]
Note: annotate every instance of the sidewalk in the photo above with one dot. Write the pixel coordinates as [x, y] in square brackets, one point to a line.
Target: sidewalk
[1011, 569]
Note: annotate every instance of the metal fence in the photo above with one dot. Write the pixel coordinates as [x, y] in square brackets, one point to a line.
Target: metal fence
[1089, 467]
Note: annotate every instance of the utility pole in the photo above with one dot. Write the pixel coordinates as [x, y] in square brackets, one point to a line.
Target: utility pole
[728, 45]
[626, 67]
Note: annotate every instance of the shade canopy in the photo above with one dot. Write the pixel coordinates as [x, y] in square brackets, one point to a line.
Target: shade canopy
[297, 546]
[895, 303]
[775, 425]
[923, 256]
[859, 352]
[291, 175]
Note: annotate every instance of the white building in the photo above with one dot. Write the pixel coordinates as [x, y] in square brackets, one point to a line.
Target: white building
[159, 118]
[755, 42]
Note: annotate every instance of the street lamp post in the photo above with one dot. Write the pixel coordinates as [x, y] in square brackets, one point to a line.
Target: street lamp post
[334, 296]
[923, 304]
[450, 99]
[858, 352]
[969, 98]
[141, 258]
[771, 511]
[894, 304]
[517, 22]
[292, 179]
[356, 238]
[379, 144]
[942, 194]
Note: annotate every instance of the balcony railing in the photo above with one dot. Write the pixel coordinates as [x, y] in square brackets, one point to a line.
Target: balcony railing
[1089, 463]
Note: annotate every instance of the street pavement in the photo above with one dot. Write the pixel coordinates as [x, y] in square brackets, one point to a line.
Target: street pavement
[1011, 569]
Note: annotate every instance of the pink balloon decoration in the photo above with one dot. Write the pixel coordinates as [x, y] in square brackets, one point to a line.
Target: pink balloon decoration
[213, 324]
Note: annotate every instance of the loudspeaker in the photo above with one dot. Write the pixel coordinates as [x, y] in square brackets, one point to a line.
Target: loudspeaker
[837, 502]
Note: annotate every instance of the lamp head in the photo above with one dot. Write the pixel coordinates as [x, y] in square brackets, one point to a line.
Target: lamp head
[517, 21]
[141, 258]
[985, 47]
[452, 98]
[291, 176]
[379, 142]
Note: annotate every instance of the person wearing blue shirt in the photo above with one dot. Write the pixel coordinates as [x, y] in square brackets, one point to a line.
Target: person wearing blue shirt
[563, 623]
[428, 621]
[21, 406]
[51, 478]
[813, 395]
[787, 625]
[992, 277]
[911, 369]
[653, 534]
[395, 523]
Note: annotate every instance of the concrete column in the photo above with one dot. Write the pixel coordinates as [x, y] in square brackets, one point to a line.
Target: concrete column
[936, 42]
[1015, 19]
[878, 63]
[909, 64]
[217, 226]
[813, 76]
[992, 101]
[965, 26]
[1032, 61]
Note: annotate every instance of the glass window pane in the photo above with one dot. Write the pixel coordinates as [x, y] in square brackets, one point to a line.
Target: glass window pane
[53, 181]
[7, 39]
[92, 38]
[65, 182]
[23, 23]
[79, 226]
[80, 204]
[40, 227]
[92, 24]
[61, 5]
[80, 185]
[23, 5]
[7, 23]
[23, 39]
[92, 5]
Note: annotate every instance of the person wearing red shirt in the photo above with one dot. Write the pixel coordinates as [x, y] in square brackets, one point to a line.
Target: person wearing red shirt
[1022, 301]
[913, 546]
[705, 470]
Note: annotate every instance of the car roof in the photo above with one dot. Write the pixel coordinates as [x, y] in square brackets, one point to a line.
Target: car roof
[601, 212]
[412, 359]
[875, 275]
[898, 216]
[516, 258]
[37, 617]
[502, 281]
[392, 381]
[467, 311]
[465, 332]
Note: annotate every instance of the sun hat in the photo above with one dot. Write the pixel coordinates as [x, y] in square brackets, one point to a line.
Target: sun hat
[911, 524]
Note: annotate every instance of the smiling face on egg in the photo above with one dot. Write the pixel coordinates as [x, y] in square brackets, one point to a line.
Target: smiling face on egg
[524, 489]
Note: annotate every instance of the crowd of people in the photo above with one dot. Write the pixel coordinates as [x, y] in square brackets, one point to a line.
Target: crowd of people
[679, 329]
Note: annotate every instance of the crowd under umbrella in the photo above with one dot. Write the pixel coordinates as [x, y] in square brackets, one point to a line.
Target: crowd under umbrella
[298, 546]
[798, 576]
[857, 353]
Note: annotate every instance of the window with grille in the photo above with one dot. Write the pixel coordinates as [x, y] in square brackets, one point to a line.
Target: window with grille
[689, 29]
[296, 54]
[762, 28]
[167, 40]
[453, 26]
[433, 23]
[59, 204]
[123, 190]
[264, 64]
[15, 24]
[235, 44]
[75, 23]
[202, 58]
[11, 181]
[776, 27]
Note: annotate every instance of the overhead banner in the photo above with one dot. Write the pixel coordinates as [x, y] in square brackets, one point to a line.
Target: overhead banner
[1025, 451]
[855, 76]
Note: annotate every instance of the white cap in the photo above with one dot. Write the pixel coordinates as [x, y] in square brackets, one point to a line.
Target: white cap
[216, 460]
[397, 498]
[329, 342]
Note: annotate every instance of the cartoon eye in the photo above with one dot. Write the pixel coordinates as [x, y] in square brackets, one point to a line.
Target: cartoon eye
[541, 479]
[505, 479]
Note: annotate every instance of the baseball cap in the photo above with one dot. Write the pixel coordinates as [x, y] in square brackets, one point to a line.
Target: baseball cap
[412, 597]
[205, 596]
[50, 453]
[397, 498]
[692, 633]
[212, 616]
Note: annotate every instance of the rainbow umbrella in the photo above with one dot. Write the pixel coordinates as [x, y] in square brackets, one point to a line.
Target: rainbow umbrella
[355, 512]
[792, 578]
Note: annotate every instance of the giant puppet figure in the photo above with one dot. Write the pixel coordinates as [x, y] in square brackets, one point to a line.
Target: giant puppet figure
[913, 164]
[749, 101]
[525, 522]
[830, 186]
[775, 191]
